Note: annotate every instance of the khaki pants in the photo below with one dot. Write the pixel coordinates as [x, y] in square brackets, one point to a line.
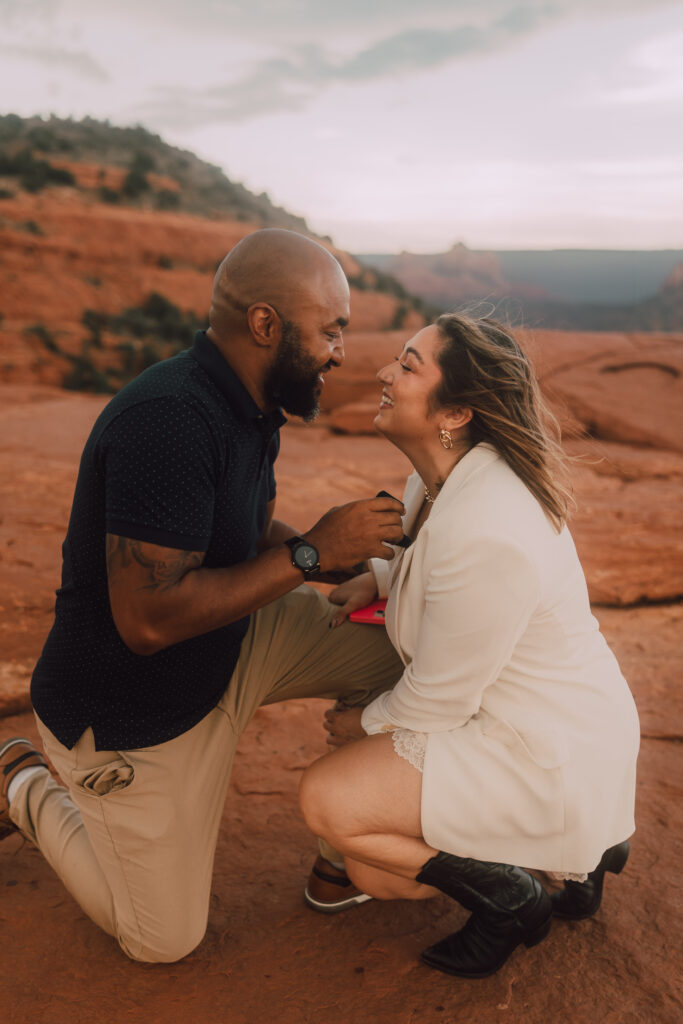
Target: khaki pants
[134, 833]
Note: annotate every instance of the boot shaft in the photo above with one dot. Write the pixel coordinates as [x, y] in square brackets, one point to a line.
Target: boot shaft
[479, 884]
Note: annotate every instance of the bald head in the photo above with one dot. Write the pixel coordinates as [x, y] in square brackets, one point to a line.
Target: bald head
[280, 268]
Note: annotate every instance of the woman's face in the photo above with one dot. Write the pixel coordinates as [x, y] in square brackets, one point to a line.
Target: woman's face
[405, 414]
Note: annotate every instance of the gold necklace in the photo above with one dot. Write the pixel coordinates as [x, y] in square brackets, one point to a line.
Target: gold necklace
[428, 497]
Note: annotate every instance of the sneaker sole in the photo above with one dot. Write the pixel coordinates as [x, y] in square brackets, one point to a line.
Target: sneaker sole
[334, 908]
[7, 826]
[8, 744]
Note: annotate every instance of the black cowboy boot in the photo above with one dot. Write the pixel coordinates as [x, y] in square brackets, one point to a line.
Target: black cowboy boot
[508, 907]
[581, 899]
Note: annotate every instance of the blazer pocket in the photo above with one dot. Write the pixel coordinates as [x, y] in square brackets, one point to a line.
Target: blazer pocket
[104, 779]
[547, 749]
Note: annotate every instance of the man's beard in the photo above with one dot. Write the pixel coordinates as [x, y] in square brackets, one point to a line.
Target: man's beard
[292, 379]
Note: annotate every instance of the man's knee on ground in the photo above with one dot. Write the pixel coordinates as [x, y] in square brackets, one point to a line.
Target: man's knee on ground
[162, 949]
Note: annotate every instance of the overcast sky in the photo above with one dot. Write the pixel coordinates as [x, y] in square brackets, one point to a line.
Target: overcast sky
[390, 124]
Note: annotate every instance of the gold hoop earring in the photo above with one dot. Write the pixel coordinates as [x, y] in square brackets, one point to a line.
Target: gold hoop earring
[445, 438]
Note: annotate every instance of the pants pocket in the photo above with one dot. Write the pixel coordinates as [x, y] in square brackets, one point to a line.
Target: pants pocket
[104, 778]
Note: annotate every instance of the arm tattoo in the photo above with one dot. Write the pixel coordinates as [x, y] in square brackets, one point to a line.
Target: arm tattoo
[161, 574]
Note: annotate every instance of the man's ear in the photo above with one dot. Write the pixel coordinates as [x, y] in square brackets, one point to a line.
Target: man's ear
[265, 325]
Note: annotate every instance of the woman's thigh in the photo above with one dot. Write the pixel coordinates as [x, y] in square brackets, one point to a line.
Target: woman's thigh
[363, 788]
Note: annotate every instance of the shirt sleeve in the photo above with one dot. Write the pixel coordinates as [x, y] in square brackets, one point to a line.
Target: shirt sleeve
[160, 469]
[477, 605]
[381, 570]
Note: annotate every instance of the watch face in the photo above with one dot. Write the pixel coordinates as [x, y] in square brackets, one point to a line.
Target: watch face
[306, 556]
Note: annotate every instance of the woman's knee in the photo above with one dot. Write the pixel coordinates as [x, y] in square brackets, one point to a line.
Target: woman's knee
[321, 804]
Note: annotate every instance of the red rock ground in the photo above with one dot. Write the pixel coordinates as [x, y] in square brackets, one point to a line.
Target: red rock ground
[266, 957]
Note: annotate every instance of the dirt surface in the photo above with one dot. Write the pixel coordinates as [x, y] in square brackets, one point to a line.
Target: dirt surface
[266, 957]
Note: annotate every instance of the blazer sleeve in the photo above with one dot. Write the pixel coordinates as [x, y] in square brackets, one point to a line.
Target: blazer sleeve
[478, 602]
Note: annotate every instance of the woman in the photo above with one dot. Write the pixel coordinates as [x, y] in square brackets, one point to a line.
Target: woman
[511, 737]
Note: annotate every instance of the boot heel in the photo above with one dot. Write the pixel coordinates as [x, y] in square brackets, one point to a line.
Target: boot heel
[538, 934]
[618, 855]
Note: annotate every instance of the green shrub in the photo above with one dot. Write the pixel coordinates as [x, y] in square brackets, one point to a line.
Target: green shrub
[45, 336]
[402, 309]
[84, 376]
[158, 318]
[33, 174]
[134, 184]
[166, 199]
[11, 126]
[108, 195]
[47, 140]
[143, 161]
[31, 227]
[153, 331]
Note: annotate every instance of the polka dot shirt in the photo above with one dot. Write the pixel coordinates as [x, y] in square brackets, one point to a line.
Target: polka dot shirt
[181, 457]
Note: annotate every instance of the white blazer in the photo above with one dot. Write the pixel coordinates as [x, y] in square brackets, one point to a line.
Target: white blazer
[532, 732]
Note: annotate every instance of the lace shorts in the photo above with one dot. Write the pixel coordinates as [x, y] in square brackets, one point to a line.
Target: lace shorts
[411, 746]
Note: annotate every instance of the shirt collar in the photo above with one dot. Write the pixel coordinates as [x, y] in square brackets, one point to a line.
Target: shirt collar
[214, 363]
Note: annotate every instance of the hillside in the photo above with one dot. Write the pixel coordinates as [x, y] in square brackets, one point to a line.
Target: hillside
[127, 166]
[102, 274]
[568, 289]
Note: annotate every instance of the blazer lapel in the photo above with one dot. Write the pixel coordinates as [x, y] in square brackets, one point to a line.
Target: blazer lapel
[412, 499]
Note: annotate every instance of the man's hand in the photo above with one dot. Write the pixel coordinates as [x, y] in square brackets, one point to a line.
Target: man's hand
[357, 531]
[355, 593]
[343, 725]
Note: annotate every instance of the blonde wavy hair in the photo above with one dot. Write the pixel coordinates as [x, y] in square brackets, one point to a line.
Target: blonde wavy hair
[484, 369]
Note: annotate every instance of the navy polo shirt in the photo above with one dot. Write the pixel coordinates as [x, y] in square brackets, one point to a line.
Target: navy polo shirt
[181, 457]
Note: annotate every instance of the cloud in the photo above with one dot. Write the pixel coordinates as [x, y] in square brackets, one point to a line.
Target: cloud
[304, 46]
[11, 10]
[289, 82]
[654, 75]
[431, 34]
[78, 61]
[287, 19]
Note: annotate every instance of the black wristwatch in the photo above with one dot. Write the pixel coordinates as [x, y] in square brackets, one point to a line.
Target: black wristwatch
[304, 557]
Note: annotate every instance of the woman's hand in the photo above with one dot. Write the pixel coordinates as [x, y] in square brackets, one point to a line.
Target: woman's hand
[343, 726]
[353, 594]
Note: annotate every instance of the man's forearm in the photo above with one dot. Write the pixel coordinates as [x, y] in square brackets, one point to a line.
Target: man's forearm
[207, 599]
[161, 596]
[276, 534]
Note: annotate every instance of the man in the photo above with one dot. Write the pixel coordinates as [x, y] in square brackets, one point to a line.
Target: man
[181, 610]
